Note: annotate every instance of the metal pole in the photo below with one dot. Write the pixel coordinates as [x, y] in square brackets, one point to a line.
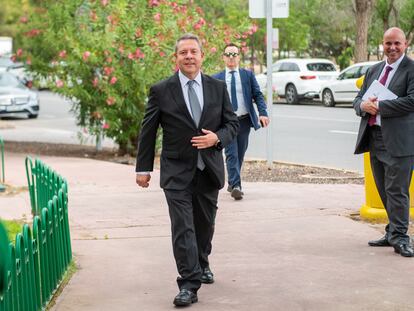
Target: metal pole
[269, 62]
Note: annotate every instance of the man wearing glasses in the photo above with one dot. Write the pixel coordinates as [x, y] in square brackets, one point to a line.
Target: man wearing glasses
[243, 89]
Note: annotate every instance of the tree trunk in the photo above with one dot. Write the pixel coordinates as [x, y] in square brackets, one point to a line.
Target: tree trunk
[363, 11]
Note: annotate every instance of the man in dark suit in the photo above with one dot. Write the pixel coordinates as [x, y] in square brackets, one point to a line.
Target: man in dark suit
[197, 120]
[244, 89]
[387, 132]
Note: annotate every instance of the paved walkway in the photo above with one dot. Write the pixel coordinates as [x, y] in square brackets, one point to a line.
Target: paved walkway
[283, 247]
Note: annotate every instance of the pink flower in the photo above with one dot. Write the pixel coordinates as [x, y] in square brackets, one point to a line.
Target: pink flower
[106, 53]
[174, 4]
[105, 126]
[113, 80]
[13, 58]
[19, 52]
[59, 84]
[86, 55]
[254, 28]
[32, 33]
[104, 2]
[109, 59]
[121, 49]
[24, 19]
[162, 54]
[244, 49]
[28, 61]
[197, 26]
[110, 101]
[62, 54]
[153, 3]
[93, 16]
[95, 82]
[108, 70]
[139, 54]
[213, 50]
[157, 17]
[131, 56]
[138, 32]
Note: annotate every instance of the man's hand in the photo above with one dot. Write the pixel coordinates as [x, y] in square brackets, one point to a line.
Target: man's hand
[205, 141]
[143, 180]
[370, 105]
[264, 121]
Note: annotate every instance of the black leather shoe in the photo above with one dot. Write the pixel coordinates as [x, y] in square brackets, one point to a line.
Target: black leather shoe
[185, 298]
[236, 193]
[207, 277]
[404, 249]
[381, 242]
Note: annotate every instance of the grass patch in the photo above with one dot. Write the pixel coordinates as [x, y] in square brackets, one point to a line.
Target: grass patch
[12, 228]
[72, 268]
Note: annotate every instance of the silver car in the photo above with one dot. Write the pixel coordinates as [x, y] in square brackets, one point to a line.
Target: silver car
[16, 99]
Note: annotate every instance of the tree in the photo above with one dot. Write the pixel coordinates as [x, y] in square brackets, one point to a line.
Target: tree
[363, 11]
[106, 54]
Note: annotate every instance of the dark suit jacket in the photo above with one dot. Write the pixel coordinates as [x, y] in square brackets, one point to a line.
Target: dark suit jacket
[397, 115]
[166, 107]
[251, 91]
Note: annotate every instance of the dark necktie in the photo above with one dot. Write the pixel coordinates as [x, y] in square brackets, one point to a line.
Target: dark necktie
[196, 113]
[233, 91]
[372, 119]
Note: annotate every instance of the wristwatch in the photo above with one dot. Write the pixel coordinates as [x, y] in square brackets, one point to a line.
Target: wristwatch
[218, 145]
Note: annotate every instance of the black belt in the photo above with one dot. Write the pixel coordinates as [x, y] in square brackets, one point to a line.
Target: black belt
[243, 116]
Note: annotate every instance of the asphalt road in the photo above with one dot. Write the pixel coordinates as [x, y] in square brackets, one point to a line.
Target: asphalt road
[310, 134]
[305, 134]
[55, 124]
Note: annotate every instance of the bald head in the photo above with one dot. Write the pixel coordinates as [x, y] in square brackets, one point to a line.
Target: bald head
[394, 43]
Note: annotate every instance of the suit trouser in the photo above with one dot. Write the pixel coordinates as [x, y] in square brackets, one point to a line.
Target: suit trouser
[235, 152]
[192, 213]
[392, 177]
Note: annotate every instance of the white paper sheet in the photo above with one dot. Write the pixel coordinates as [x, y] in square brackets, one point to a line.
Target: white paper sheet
[376, 89]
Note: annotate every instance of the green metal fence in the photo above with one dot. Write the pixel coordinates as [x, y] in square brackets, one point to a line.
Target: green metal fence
[41, 256]
[2, 160]
[43, 184]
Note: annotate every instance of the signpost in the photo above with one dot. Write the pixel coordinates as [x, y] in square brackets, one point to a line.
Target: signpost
[269, 9]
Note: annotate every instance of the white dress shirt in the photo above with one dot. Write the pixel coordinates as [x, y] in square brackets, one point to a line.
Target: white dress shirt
[197, 86]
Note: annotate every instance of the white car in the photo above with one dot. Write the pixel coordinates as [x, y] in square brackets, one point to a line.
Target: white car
[296, 78]
[344, 89]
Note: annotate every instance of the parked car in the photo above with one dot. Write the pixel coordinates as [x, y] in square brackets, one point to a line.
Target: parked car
[296, 78]
[16, 99]
[16, 68]
[343, 89]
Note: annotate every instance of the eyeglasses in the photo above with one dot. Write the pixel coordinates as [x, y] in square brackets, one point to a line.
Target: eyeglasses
[231, 54]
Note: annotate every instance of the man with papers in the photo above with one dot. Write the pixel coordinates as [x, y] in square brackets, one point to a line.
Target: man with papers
[385, 104]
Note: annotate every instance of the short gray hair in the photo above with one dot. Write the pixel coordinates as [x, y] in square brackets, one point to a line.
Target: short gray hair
[188, 36]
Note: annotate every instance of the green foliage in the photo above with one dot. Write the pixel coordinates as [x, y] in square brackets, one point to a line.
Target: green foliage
[106, 54]
[12, 228]
[344, 60]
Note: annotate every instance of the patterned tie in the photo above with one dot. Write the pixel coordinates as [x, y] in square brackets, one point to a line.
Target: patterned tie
[373, 118]
[233, 91]
[196, 112]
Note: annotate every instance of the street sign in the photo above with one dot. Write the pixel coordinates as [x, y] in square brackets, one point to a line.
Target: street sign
[280, 8]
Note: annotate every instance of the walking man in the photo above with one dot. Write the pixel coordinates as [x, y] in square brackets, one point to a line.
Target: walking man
[244, 89]
[195, 113]
[387, 132]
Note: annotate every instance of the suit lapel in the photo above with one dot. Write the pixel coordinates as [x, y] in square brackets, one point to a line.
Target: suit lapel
[400, 69]
[178, 97]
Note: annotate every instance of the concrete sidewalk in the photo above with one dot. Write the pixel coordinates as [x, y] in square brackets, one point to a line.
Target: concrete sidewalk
[283, 247]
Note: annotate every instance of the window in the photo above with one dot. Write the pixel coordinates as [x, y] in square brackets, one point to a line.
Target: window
[320, 67]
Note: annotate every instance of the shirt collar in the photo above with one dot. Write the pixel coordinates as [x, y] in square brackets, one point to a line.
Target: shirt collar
[184, 80]
[228, 70]
[395, 65]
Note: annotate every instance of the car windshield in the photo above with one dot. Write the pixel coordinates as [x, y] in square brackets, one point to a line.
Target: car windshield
[5, 62]
[7, 79]
[320, 67]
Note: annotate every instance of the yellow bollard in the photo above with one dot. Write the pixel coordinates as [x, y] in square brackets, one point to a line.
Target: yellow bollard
[373, 209]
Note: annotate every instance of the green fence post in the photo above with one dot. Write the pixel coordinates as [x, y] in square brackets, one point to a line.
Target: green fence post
[37, 242]
[3, 179]
[31, 183]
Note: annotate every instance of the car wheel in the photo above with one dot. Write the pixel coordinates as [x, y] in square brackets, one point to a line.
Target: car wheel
[291, 94]
[327, 98]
